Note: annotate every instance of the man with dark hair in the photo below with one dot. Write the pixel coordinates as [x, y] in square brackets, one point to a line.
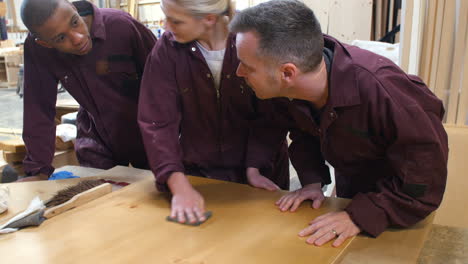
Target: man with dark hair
[98, 55]
[377, 126]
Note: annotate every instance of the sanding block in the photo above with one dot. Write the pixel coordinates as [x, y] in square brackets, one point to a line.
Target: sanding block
[208, 214]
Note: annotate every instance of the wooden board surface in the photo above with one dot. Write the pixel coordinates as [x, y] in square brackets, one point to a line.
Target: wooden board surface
[451, 211]
[401, 246]
[129, 226]
[15, 145]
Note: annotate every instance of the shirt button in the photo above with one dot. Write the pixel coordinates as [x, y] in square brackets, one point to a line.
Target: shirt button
[319, 131]
[228, 76]
[194, 49]
[332, 115]
[208, 75]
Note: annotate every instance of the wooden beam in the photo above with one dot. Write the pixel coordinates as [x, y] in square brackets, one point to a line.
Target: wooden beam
[378, 19]
[406, 29]
[437, 40]
[446, 51]
[456, 76]
[11, 157]
[13, 145]
[463, 102]
[428, 42]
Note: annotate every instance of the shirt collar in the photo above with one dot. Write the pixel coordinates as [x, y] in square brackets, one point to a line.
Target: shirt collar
[343, 85]
[98, 29]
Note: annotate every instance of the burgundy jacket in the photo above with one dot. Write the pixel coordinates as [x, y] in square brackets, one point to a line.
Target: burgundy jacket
[105, 82]
[381, 130]
[188, 125]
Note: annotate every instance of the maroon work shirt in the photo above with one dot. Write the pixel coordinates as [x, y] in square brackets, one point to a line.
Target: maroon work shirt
[381, 130]
[105, 82]
[188, 125]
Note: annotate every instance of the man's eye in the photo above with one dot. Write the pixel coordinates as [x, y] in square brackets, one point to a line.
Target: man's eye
[59, 39]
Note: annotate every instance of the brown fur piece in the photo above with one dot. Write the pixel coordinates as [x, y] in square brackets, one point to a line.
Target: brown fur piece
[68, 193]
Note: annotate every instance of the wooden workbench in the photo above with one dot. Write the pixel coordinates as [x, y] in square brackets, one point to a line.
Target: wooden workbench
[128, 226]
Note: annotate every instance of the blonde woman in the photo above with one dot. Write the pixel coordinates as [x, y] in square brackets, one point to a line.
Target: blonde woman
[197, 117]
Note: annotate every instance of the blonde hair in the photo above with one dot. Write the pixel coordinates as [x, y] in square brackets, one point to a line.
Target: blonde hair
[203, 7]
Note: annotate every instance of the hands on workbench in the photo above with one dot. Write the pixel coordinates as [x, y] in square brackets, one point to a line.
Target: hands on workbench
[186, 201]
[39, 177]
[329, 226]
[292, 200]
[325, 227]
[257, 180]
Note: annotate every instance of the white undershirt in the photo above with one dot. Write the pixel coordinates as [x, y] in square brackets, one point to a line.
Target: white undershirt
[214, 59]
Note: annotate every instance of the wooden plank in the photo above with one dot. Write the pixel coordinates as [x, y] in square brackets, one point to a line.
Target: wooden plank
[397, 35]
[12, 131]
[13, 145]
[246, 227]
[378, 5]
[444, 68]
[428, 43]
[11, 157]
[419, 10]
[437, 41]
[351, 20]
[456, 76]
[132, 7]
[391, 11]
[463, 101]
[406, 29]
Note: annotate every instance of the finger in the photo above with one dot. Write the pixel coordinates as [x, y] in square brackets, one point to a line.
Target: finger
[173, 212]
[180, 216]
[280, 200]
[271, 186]
[341, 238]
[190, 215]
[296, 204]
[324, 238]
[200, 213]
[320, 218]
[309, 230]
[287, 203]
[317, 203]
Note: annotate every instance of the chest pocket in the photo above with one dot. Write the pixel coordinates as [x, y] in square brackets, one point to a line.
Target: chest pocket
[351, 144]
[122, 75]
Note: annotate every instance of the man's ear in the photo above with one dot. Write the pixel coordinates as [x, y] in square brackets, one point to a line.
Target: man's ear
[42, 43]
[289, 72]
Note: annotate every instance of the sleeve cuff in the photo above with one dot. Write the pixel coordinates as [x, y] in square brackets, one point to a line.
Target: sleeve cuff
[162, 177]
[367, 216]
